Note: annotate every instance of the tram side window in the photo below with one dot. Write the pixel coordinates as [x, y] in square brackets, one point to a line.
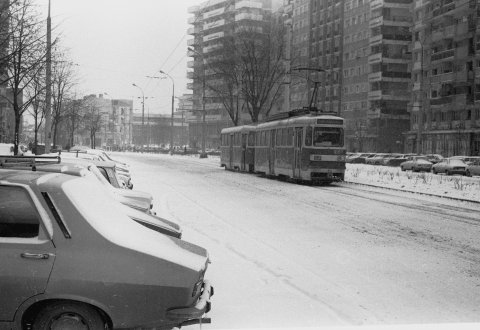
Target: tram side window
[290, 136]
[251, 138]
[264, 138]
[308, 136]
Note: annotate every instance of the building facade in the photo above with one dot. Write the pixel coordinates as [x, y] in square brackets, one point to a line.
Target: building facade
[214, 24]
[355, 86]
[445, 101]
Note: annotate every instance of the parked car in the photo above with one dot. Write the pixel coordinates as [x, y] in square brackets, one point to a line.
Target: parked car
[396, 161]
[416, 164]
[388, 158]
[473, 169]
[467, 159]
[359, 158]
[450, 166]
[375, 160]
[76, 260]
[434, 158]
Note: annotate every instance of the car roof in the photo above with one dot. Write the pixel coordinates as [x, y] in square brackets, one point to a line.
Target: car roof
[29, 177]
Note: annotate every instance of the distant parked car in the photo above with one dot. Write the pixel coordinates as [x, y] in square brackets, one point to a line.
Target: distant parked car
[389, 157]
[467, 159]
[434, 158]
[450, 166]
[376, 160]
[359, 158]
[416, 164]
[473, 169]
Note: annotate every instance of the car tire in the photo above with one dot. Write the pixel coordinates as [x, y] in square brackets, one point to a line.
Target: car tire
[402, 168]
[68, 315]
[447, 172]
[467, 173]
[433, 171]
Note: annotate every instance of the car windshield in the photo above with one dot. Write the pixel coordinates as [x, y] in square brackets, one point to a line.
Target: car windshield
[328, 137]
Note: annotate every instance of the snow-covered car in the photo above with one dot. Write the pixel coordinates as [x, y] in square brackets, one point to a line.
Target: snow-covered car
[416, 164]
[75, 260]
[473, 169]
[434, 158]
[450, 166]
[376, 159]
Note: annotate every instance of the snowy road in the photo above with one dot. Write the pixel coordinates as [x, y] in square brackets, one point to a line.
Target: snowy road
[287, 255]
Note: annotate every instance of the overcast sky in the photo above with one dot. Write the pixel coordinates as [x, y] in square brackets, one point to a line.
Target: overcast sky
[119, 42]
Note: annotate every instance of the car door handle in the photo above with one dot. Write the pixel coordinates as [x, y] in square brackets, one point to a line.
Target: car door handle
[28, 255]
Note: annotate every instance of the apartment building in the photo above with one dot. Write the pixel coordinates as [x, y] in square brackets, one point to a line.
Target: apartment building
[445, 103]
[214, 25]
[355, 87]
[389, 76]
[300, 53]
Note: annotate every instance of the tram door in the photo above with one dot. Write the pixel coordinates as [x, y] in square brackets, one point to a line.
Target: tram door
[230, 151]
[244, 152]
[297, 151]
[271, 152]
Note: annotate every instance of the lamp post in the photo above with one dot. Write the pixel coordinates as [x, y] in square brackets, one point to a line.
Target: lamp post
[143, 112]
[203, 153]
[173, 102]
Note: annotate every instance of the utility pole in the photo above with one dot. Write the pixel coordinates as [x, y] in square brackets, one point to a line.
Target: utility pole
[48, 93]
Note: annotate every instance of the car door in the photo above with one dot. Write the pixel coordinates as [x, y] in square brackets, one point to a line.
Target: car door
[297, 145]
[26, 252]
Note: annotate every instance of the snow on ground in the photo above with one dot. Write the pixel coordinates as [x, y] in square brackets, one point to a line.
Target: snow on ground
[286, 254]
[456, 186]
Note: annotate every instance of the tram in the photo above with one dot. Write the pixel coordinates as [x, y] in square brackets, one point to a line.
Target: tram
[302, 146]
[237, 148]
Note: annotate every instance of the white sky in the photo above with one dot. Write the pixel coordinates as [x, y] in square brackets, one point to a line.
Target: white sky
[119, 42]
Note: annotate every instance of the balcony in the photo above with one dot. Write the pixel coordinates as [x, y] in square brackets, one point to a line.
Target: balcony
[374, 22]
[445, 33]
[190, 42]
[376, 40]
[194, 30]
[441, 100]
[190, 64]
[212, 48]
[442, 55]
[190, 75]
[213, 36]
[444, 10]
[248, 16]
[374, 95]
[441, 78]
[375, 58]
[376, 76]
[248, 4]
[213, 13]
[211, 25]
[193, 9]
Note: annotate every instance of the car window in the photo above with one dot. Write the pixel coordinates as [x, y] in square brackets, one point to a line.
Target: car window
[18, 216]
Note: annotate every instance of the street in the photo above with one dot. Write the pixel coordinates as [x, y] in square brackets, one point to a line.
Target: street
[289, 255]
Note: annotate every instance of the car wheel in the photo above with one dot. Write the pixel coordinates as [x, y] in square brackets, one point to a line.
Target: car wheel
[447, 172]
[402, 168]
[467, 173]
[68, 315]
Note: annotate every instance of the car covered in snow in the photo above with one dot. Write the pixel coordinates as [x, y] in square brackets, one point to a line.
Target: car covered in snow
[77, 261]
[473, 169]
[416, 164]
[450, 166]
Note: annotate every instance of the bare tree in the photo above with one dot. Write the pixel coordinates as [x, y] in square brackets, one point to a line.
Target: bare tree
[248, 72]
[37, 108]
[92, 119]
[262, 64]
[63, 81]
[26, 59]
[73, 114]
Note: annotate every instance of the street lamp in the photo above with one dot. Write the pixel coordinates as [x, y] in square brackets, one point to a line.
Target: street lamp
[143, 111]
[203, 154]
[173, 101]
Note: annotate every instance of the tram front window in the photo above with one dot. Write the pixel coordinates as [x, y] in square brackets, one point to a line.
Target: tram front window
[328, 137]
